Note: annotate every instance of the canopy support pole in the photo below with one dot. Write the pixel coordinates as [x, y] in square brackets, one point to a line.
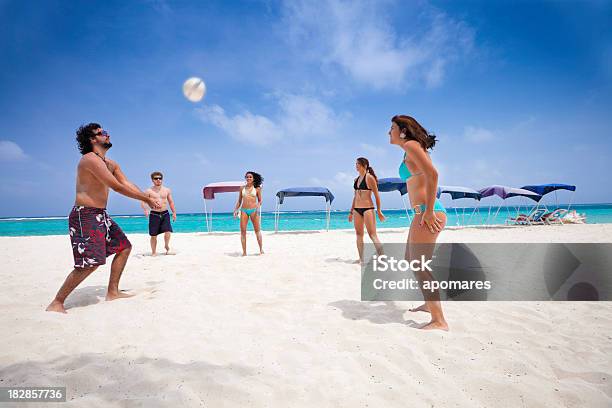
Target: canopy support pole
[210, 218]
[571, 200]
[488, 215]
[474, 212]
[276, 214]
[206, 216]
[407, 212]
[499, 208]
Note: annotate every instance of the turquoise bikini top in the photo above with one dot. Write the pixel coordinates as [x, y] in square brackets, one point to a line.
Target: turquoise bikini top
[404, 173]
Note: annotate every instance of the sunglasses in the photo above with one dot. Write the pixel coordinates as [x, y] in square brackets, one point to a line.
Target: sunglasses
[157, 178]
[102, 133]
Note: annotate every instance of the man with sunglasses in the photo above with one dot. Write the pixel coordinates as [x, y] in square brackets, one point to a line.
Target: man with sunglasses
[93, 234]
[159, 220]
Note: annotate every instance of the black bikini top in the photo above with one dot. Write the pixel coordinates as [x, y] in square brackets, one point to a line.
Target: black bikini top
[363, 185]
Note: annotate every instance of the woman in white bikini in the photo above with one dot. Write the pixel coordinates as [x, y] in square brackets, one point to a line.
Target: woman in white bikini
[248, 204]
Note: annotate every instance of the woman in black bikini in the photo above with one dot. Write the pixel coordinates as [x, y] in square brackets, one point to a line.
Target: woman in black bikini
[362, 209]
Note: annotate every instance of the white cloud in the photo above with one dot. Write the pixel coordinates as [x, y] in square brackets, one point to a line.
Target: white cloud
[477, 134]
[371, 149]
[245, 127]
[342, 178]
[306, 116]
[297, 116]
[10, 151]
[359, 37]
[201, 159]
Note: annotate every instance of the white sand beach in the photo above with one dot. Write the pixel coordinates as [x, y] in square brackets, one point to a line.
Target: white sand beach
[211, 328]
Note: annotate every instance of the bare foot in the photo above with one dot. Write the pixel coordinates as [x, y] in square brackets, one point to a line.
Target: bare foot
[153, 253]
[56, 306]
[436, 326]
[167, 250]
[118, 295]
[422, 308]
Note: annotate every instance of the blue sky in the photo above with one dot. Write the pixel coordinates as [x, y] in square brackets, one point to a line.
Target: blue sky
[517, 92]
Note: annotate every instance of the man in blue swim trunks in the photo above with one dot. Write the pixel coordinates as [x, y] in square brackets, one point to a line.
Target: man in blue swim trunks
[159, 220]
[93, 234]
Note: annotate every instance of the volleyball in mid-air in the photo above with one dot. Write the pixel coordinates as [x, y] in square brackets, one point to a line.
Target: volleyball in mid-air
[194, 89]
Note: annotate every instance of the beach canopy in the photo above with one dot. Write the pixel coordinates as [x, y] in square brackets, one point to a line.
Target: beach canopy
[543, 189]
[392, 184]
[303, 192]
[209, 192]
[507, 192]
[459, 192]
[221, 187]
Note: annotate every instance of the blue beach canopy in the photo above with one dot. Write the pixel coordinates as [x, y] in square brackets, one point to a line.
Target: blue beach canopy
[543, 189]
[305, 192]
[392, 184]
[459, 192]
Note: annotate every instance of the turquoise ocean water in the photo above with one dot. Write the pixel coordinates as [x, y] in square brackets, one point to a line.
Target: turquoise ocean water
[289, 221]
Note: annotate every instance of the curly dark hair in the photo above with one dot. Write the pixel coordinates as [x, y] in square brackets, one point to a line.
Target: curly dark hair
[84, 134]
[257, 179]
[414, 131]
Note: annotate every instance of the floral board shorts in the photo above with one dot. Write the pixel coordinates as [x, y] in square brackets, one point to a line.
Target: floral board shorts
[94, 236]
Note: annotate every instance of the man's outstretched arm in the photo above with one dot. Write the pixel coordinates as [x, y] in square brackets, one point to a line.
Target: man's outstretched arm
[99, 170]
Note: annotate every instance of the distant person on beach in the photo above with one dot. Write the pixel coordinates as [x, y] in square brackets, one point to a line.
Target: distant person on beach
[93, 234]
[421, 179]
[159, 221]
[362, 209]
[247, 206]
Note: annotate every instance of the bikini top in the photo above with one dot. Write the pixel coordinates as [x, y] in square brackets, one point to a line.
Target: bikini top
[363, 185]
[404, 172]
[252, 192]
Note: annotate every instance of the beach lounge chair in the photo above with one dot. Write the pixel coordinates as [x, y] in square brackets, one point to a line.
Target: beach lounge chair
[573, 217]
[535, 217]
[555, 217]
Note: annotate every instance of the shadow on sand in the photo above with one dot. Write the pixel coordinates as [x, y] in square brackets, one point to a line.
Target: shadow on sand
[374, 312]
[86, 296]
[343, 260]
[112, 379]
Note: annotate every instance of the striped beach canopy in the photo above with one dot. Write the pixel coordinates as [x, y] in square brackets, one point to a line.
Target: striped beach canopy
[543, 189]
[305, 192]
[392, 184]
[211, 189]
[459, 192]
[507, 192]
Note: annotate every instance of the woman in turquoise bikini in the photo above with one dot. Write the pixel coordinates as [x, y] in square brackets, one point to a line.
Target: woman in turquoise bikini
[430, 216]
[249, 201]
